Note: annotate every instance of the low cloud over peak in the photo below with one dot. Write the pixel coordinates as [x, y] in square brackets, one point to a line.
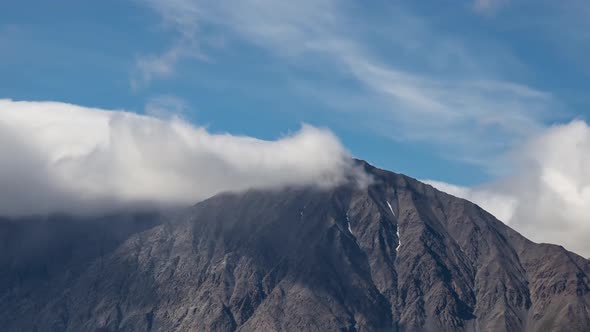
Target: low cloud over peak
[57, 157]
[548, 195]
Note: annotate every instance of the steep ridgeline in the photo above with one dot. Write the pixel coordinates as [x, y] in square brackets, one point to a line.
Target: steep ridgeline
[397, 255]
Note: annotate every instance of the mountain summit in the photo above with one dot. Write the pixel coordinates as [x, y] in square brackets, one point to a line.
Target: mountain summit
[396, 255]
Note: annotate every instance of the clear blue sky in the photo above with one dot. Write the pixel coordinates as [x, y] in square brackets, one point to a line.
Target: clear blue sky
[439, 90]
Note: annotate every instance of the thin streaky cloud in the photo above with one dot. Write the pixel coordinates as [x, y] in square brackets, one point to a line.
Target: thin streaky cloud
[461, 112]
[182, 17]
[489, 7]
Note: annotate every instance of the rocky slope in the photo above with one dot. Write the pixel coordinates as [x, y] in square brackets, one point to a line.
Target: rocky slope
[397, 255]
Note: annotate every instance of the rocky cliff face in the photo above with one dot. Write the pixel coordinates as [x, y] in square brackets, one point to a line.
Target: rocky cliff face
[397, 255]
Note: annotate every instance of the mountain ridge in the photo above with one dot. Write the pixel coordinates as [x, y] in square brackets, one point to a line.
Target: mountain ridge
[395, 255]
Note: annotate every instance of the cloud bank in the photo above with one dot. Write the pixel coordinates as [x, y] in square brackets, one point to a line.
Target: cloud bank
[57, 157]
[548, 197]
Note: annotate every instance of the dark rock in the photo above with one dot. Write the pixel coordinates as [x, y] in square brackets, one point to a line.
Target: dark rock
[395, 256]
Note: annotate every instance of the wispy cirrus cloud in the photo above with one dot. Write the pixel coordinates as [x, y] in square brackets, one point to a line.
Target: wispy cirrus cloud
[166, 107]
[157, 66]
[454, 100]
[183, 19]
[489, 6]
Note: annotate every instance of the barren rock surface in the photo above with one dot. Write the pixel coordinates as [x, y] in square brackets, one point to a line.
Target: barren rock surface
[395, 256]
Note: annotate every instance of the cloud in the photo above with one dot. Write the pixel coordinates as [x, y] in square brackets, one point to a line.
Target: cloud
[548, 196]
[489, 6]
[183, 19]
[57, 157]
[155, 66]
[149, 67]
[166, 107]
[501, 205]
[445, 102]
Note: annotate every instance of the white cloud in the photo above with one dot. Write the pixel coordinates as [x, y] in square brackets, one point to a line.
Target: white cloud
[62, 157]
[548, 197]
[500, 204]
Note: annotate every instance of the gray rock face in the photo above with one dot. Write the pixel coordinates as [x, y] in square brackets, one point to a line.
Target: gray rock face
[396, 256]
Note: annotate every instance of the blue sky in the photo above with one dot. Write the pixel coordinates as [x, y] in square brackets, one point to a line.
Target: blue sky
[435, 89]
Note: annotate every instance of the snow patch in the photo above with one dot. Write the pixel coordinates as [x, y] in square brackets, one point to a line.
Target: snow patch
[349, 228]
[399, 239]
[391, 209]
[348, 224]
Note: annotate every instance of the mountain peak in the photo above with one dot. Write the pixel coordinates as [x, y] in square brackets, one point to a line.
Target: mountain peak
[396, 254]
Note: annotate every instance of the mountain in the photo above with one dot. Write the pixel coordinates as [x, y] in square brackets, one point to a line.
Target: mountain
[397, 255]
